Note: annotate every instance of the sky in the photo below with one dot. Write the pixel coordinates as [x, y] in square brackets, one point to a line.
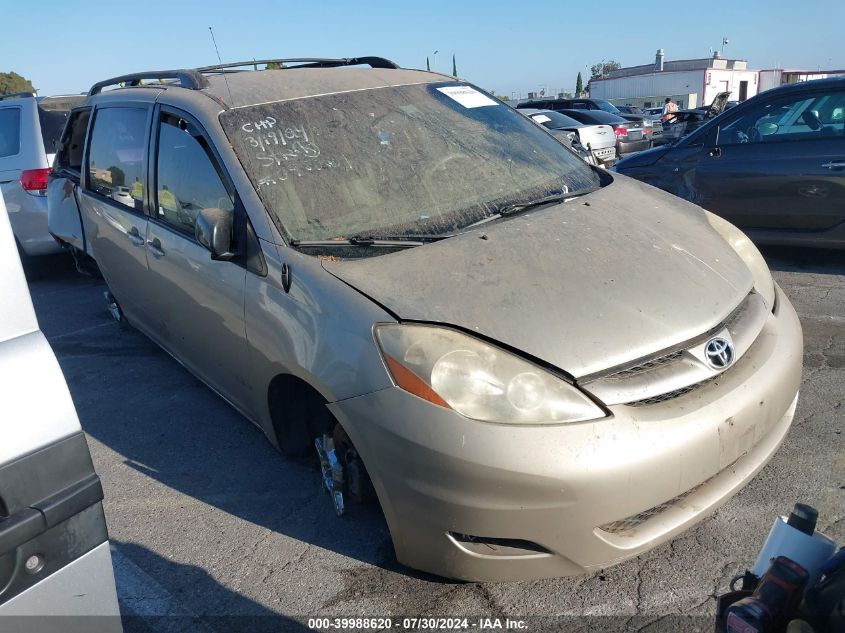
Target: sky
[505, 46]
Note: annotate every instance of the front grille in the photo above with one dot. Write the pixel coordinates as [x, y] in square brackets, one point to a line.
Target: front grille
[663, 397]
[680, 371]
[646, 366]
[633, 522]
[636, 520]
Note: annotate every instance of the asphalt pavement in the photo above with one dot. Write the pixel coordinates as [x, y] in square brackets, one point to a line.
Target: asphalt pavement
[212, 530]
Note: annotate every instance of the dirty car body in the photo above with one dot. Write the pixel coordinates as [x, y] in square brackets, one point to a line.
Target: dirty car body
[541, 368]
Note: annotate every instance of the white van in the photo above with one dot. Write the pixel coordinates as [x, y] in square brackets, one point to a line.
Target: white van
[54, 549]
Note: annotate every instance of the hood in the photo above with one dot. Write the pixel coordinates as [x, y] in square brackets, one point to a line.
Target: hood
[719, 103]
[593, 283]
[642, 159]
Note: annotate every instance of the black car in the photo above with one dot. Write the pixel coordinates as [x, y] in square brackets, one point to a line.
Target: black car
[630, 135]
[773, 165]
[683, 122]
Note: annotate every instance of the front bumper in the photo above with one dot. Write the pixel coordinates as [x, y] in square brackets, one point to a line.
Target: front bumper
[538, 495]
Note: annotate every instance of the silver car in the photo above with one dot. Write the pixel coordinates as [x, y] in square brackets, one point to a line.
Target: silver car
[29, 133]
[55, 564]
[537, 367]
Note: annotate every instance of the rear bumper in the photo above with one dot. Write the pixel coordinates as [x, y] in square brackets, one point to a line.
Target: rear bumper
[79, 597]
[629, 147]
[549, 490]
[28, 217]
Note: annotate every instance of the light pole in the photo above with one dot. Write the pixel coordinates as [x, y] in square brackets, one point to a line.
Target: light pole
[724, 43]
[434, 61]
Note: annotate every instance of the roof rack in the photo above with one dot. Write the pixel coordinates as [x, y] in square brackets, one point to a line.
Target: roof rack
[308, 62]
[191, 79]
[17, 95]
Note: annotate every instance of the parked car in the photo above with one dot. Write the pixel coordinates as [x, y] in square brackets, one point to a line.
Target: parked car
[653, 113]
[773, 165]
[653, 132]
[54, 550]
[684, 122]
[29, 132]
[405, 277]
[629, 109]
[630, 136]
[599, 140]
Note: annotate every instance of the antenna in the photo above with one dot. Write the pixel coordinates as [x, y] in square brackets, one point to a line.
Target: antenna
[216, 50]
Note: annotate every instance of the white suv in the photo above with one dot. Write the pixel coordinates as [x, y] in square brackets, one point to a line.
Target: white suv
[30, 128]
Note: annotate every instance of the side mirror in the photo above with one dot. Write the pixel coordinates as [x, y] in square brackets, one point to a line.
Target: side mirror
[214, 231]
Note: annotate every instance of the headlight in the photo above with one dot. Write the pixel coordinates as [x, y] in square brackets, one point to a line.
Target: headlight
[763, 282]
[480, 381]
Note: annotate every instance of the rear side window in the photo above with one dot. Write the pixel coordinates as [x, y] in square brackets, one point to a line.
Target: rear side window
[69, 156]
[116, 155]
[10, 131]
[52, 123]
[187, 177]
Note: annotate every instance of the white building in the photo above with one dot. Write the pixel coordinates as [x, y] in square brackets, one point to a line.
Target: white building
[775, 77]
[690, 83]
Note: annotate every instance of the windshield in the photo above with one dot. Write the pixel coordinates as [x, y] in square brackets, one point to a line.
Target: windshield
[607, 106]
[404, 160]
[555, 120]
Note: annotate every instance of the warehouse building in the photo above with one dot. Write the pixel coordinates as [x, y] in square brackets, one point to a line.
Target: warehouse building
[691, 83]
[775, 77]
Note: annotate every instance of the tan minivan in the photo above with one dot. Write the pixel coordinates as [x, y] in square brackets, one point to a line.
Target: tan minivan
[540, 368]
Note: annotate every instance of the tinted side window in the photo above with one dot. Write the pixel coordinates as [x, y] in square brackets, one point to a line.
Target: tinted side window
[798, 117]
[10, 131]
[187, 177]
[69, 156]
[116, 155]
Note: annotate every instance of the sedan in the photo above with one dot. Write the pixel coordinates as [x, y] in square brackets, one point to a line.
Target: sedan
[599, 140]
[631, 136]
[773, 165]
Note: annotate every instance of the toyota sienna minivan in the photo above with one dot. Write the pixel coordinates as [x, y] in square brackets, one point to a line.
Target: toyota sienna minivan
[537, 368]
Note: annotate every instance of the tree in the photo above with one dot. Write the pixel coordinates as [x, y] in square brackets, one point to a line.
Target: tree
[454, 66]
[504, 97]
[602, 68]
[12, 82]
[118, 178]
[273, 66]
[579, 85]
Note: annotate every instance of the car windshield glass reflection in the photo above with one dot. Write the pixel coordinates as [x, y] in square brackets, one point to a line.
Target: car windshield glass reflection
[407, 160]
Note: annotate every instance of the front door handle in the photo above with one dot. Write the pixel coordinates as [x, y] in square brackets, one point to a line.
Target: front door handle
[834, 164]
[135, 237]
[155, 247]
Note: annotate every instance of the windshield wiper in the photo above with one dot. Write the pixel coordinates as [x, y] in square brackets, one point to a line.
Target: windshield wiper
[519, 207]
[398, 241]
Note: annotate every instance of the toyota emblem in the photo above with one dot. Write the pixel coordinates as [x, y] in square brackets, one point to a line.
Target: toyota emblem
[718, 352]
